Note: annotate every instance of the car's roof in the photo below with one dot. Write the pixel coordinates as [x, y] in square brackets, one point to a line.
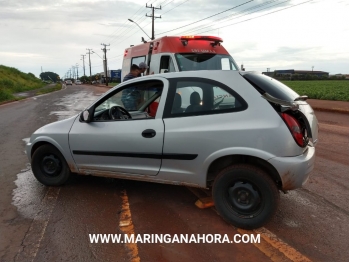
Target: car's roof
[203, 73]
[209, 74]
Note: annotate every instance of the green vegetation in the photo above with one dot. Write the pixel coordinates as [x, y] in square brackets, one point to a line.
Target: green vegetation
[319, 89]
[112, 84]
[49, 76]
[14, 81]
[85, 79]
[57, 87]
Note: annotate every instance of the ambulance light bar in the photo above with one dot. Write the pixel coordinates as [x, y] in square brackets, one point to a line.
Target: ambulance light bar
[214, 39]
[201, 37]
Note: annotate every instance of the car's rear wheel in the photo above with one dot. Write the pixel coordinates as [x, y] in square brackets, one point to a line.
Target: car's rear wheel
[245, 196]
[49, 166]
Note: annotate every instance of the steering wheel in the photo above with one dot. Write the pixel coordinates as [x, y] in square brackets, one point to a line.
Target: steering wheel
[118, 112]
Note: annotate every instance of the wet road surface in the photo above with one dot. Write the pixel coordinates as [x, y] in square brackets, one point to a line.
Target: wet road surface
[39, 223]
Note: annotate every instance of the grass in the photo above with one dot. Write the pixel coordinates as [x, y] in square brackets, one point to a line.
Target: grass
[13, 81]
[57, 87]
[321, 89]
[112, 84]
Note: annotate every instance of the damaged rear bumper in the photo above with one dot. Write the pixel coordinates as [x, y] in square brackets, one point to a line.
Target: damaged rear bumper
[294, 171]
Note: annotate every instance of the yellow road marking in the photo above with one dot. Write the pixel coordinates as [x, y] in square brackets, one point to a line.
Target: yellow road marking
[272, 246]
[126, 226]
[289, 252]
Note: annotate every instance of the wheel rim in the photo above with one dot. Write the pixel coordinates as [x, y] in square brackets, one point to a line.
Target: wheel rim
[244, 198]
[51, 165]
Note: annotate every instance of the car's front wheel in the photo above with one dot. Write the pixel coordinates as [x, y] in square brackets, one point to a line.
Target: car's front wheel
[245, 196]
[49, 166]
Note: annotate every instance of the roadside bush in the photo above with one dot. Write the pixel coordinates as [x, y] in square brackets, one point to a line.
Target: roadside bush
[6, 83]
[5, 94]
[32, 75]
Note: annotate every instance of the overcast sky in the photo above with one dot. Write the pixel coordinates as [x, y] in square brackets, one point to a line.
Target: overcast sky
[261, 34]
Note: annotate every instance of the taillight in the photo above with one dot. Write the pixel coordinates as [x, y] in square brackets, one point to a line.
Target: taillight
[295, 128]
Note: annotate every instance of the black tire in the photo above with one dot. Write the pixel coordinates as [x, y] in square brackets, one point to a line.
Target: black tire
[49, 166]
[245, 196]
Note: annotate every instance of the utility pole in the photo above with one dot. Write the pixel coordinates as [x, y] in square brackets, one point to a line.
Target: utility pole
[89, 59]
[70, 72]
[105, 63]
[153, 18]
[83, 62]
[73, 69]
[77, 70]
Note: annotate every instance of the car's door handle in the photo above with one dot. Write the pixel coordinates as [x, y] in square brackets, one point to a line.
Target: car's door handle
[148, 133]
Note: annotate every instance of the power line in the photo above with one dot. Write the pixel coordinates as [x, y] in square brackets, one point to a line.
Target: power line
[128, 35]
[241, 12]
[206, 17]
[167, 4]
[174, 7]
[120, 28]
[258, 16]
[130, 32]
[162, 3]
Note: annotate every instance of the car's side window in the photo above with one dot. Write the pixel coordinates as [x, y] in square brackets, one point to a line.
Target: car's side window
[197, 96]
[188, 98]
[134, 98]
[166, 64]
[137, 60]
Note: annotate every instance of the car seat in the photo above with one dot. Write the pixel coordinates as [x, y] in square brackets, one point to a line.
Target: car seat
[177, 104]
[195, 100]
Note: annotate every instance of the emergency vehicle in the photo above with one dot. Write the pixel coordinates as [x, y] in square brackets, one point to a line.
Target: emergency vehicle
[179, 53]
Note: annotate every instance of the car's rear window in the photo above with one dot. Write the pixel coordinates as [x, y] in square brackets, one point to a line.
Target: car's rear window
[271, 86]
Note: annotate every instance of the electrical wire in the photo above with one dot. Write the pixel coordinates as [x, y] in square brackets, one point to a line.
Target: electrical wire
[257, 16]
[167, 3]
[121, 27]
[205, 18]
[244, 13]
[174, 7]
[163, 3]
[249, 9]
[130, 33]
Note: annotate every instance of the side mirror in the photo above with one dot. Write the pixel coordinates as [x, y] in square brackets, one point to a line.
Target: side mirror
[85, 116]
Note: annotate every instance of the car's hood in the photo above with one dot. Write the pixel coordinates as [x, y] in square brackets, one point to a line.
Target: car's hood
[59, 127]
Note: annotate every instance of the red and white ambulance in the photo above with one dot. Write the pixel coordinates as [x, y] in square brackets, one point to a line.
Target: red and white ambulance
[179, 53]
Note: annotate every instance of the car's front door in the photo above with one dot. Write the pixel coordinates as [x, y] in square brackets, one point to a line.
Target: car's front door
[121, 146]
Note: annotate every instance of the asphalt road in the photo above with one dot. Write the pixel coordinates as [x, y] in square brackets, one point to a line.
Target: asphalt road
[38, 223]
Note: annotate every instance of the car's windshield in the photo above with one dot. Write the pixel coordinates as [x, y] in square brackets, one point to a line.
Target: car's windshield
[196, 61]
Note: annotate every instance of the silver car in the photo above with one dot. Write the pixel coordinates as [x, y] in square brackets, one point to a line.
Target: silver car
[243, 134]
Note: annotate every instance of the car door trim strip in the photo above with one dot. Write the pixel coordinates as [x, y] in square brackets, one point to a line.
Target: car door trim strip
[138, 155]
